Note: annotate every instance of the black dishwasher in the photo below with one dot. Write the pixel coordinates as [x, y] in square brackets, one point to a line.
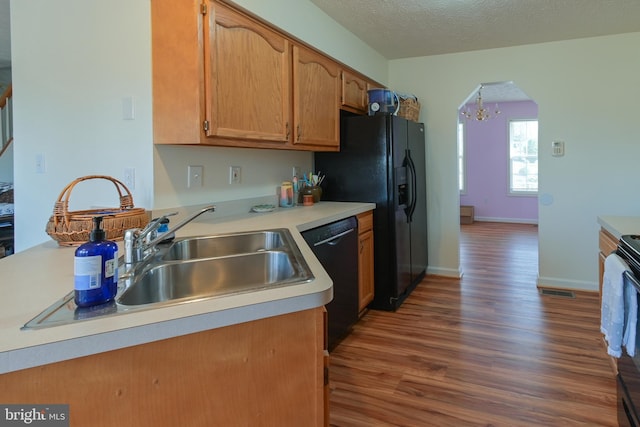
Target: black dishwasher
[336, 247]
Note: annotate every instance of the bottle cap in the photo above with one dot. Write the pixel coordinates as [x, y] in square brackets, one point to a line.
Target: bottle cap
[164, 225]
[97, 234]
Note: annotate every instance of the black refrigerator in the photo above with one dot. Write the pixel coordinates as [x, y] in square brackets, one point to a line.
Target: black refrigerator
[382, 160]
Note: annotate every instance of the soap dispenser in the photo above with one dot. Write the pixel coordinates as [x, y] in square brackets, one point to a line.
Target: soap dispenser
[96, 269]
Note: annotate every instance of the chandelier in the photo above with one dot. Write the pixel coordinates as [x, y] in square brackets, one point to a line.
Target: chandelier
[481, 113]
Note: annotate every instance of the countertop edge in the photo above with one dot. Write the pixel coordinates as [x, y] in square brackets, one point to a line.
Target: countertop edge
[73, 348]
[619, 226]
[144, 332]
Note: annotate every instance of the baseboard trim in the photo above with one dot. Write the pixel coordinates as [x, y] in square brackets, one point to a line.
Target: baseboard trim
[510, 220]
[445, 272]
[576, 285]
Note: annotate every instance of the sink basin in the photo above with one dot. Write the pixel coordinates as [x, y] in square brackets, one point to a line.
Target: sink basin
[224, 245]
[206, 278]
[191, 269]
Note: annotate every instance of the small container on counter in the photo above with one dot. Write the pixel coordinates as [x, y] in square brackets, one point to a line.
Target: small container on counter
[314, 191]
[95, 269]
[286, 195]
[296, 191]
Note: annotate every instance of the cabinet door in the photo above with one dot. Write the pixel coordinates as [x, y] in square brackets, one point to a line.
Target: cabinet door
[316, 87]
[354, 92]
[176, 49]
[607, 244]
[365, 269]
[247, 78]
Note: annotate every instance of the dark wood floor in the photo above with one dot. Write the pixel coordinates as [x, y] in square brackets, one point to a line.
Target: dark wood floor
[485, 350]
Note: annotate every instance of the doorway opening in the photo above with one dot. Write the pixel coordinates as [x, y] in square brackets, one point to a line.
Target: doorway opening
[498, 161]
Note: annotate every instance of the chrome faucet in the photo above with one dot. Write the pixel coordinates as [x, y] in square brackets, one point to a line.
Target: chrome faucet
[140, 244]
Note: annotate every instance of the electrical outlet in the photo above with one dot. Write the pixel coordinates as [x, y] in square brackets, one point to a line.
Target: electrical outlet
[130, 178]
[297, 172]
[235, 174]
[195, 176]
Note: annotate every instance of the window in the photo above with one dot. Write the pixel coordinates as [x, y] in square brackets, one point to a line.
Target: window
[523, 157]
[461, 172]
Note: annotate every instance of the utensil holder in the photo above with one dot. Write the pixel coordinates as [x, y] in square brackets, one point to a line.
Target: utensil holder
[315, 191]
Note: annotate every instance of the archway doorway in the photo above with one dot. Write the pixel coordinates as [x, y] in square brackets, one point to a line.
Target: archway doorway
[498, 163]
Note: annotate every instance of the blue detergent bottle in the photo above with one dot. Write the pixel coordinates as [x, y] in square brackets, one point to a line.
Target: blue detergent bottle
[95, 269]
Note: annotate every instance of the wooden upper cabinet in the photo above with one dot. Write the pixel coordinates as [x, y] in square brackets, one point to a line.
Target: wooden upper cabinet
[222, 76]
[316, 105]
[176, 51]
[354, 93]
[247, 78]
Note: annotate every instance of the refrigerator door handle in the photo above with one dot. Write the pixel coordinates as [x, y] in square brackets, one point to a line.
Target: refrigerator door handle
[414, 181]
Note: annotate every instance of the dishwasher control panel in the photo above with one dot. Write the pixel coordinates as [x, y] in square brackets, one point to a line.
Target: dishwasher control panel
[327, 231]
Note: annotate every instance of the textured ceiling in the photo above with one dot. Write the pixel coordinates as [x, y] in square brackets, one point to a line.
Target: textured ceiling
[409, 28]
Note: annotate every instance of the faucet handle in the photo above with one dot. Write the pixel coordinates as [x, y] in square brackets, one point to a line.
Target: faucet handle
[153, 225]
[151, 231]
[169, 214]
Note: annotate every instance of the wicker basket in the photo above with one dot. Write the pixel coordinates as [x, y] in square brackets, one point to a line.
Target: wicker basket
[71, 228]
[409, 107]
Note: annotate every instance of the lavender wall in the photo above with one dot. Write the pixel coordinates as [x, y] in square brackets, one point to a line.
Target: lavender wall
[487, 169]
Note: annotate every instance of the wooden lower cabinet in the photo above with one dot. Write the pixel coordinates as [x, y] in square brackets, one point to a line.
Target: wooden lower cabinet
[265, 372]
[607, 244]
[365, 260]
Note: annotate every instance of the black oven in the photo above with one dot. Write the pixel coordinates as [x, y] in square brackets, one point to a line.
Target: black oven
[628, 377]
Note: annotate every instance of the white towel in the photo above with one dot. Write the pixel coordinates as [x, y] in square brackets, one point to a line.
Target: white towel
[631, 317]
[613, 313]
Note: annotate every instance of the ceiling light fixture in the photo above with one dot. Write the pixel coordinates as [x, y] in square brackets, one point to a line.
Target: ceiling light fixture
[481, 113]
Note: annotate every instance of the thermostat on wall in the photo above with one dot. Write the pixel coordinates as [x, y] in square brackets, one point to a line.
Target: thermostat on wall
[557, 148]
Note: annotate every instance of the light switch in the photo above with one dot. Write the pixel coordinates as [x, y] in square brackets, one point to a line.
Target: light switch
[128, 108]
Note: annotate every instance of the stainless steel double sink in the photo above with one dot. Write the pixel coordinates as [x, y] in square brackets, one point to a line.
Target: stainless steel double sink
[204, 267]
[192, 269]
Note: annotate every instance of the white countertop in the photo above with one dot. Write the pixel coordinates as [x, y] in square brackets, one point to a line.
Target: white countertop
[34, 279]
[620, 225]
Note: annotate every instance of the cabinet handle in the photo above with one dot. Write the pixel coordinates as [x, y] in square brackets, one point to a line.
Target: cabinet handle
[299, 133]
[288, 131]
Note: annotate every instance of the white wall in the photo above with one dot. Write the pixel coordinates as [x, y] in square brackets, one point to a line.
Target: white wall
[71, 72]
[261, 172]
[587, 94]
